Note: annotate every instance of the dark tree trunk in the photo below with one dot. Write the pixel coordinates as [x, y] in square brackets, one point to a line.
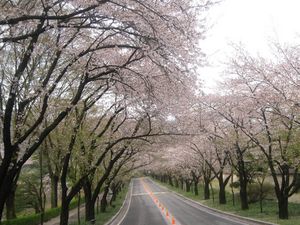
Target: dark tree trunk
[212, 192]
[103, 204]
[222, 185]
[170, 180]
[196, 188]
[114, 188]
[78, 208]
[281, 190]
[89, 204]
[176, 182]
[283, 207]
[243, 195]
[181, 183]
[162, 178]
[206, 189]
[232, 191]
[64, 214]
[187, 186]
[54, 191]
[89, 211]
[37, 208]
[2, 203]
[165, 178]
[222, 194]
[261, 200]
[5, 187]
[243, 179]
[10, 205]
[98, 205]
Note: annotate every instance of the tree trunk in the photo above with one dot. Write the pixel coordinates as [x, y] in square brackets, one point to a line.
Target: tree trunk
[161, 178]
[103, 199]
[222, 194]
[36, 208]
[54, 191]
[196, 188]
[261, 200]
[206, 189]
[181, 183]
[243, 181]
[212, 192]
[114, 188]
[98, 205]
[2, 203]
[6, 186]
[10, 202]
[64, 213]
[170, 180]
[89, 204]
[78, 208]
[187, 186]
[283, 207]
[243, 195]
[90, 211]
[10, 205]
[176, 182]
[232, 191]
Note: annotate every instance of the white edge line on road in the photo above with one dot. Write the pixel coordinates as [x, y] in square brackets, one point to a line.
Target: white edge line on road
[129, 203]
[215, 210]
[116, 215]
[186, 200]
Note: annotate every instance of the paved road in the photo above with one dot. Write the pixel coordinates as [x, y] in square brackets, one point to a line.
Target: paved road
[151, 204]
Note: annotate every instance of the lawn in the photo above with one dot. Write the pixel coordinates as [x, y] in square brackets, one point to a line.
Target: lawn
[102, 218]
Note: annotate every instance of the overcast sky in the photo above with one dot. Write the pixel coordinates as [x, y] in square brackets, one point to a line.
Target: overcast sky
[254, 23]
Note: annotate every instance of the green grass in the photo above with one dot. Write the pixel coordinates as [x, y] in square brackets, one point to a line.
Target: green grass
[102, 218]
[270, 210]
[34, 219]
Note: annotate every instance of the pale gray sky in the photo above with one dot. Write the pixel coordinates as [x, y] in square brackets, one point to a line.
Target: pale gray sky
[254, 23]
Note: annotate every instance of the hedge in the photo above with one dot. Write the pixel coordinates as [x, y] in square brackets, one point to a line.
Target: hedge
[35, 219]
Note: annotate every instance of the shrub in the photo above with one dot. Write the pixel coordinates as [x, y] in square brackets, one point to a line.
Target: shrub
[35, 218]
[235, 184]
[254, 192]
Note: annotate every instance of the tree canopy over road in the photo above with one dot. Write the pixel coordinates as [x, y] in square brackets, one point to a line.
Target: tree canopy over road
[91, 91]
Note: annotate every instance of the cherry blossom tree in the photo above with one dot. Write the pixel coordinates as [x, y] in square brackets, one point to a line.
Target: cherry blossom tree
[64, 50]
[232, 112]
[267, 90]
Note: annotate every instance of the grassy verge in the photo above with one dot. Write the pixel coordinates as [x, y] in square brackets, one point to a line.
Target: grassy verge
[102, 218]
[35, 219]
[270, 211]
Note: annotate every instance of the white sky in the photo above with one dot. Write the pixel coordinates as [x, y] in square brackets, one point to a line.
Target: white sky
[254, 23]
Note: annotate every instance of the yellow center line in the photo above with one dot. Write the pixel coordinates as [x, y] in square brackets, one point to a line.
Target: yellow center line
[165, 212]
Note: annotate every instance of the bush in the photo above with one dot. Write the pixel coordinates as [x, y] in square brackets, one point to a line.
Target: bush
[30, 219]
[254, 192]
[35, 218]
[235, 184]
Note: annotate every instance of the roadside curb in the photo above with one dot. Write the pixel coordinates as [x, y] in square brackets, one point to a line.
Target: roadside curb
[122, 207]
[259, 222]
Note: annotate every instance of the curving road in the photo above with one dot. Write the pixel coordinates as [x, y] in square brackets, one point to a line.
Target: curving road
[151, 204]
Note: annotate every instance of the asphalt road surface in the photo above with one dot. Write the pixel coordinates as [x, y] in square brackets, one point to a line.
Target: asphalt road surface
[151, 204]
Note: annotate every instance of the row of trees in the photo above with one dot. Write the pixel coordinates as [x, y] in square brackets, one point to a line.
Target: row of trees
[85, 85]
[249, 128]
